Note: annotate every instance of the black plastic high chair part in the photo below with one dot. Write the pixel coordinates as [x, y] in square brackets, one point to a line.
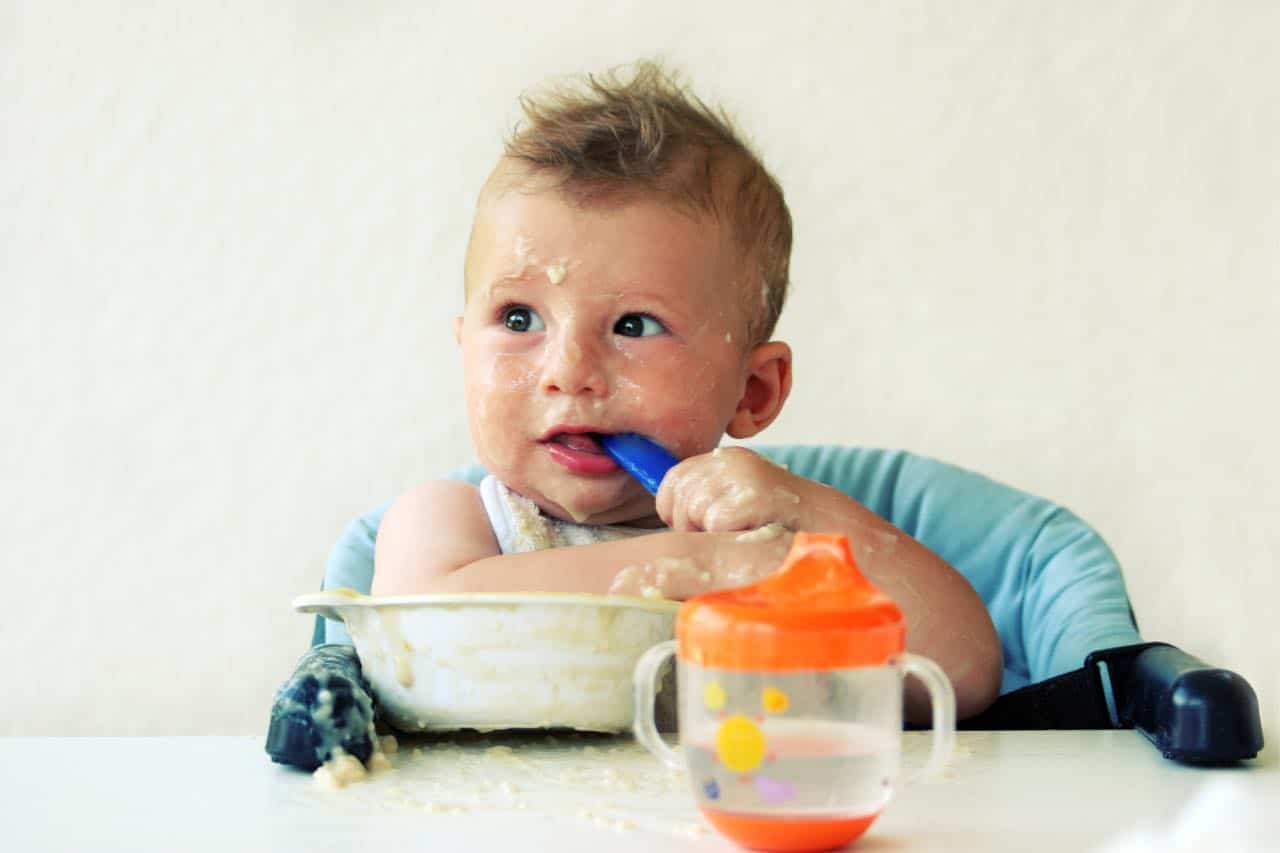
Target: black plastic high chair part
[1190, 711]
[325, 704]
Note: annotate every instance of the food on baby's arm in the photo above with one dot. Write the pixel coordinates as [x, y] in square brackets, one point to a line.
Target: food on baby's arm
[729, 564]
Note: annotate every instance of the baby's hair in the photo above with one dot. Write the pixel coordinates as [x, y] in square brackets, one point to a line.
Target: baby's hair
[608, 135]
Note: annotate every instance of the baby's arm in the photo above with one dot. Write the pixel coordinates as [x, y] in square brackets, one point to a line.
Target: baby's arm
[437, 538]
[427, 533]
[735, 489]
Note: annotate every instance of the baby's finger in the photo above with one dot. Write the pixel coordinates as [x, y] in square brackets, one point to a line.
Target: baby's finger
[662, 501]
[726, 517]
[698, 498]
[678, 488]
[681, 519]
[668, 490]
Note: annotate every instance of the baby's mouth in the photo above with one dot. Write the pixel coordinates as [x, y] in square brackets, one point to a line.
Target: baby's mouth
[580, 453]
[580, 441]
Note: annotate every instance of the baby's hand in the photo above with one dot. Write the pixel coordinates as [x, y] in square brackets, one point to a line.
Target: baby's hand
[729, 489]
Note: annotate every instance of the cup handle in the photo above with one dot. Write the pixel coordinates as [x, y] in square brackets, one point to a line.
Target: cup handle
[646, 691]
[943, 701]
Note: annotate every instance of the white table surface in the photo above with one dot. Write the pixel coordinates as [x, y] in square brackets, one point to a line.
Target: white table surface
[1039, 791]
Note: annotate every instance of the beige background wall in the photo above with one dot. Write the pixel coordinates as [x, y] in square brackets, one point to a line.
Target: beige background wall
[1035, 239]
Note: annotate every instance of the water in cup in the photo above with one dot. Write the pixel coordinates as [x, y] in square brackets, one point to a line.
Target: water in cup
[792, 767]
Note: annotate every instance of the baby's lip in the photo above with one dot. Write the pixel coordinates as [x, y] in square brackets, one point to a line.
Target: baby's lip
[577, 448]
[582, 442]
[572, 429]
[580, 438]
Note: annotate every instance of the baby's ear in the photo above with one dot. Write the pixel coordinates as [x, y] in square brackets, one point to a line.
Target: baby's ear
[457, 330]
[767, 388]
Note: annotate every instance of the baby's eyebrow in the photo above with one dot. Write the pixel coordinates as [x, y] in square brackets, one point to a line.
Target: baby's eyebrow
[511, 280]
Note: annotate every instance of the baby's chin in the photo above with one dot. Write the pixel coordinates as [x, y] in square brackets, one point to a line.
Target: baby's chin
[634, 512]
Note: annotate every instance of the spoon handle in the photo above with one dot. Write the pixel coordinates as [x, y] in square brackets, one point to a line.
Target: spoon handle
[643, 459]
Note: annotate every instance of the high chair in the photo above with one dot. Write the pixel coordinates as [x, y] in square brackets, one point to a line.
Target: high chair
[1072, 652]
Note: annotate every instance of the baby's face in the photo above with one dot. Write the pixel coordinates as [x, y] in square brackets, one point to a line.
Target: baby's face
[597, 319]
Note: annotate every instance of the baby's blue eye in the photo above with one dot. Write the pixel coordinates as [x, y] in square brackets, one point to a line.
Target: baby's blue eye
[519, 318]
[638, 326]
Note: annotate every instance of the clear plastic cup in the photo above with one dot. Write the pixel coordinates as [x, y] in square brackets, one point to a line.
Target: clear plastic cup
[790, 702]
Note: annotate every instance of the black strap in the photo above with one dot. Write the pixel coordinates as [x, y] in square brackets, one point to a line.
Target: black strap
[1073, 700]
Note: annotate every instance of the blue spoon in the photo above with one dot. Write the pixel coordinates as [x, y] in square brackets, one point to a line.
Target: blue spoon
[643, 459]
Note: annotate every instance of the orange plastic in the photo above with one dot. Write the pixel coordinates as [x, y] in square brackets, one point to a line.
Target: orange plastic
[787, 834]
[816, 612]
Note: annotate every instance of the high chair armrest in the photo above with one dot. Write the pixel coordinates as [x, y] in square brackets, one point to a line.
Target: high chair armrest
[1190, 711]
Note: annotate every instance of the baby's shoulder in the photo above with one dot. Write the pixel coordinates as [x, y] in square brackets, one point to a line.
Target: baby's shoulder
[440, 502]
[429, 531]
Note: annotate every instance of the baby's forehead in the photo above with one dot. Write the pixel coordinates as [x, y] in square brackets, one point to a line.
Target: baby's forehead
[515, 224]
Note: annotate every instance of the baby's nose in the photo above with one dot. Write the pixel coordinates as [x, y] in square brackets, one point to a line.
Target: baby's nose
[574, 366]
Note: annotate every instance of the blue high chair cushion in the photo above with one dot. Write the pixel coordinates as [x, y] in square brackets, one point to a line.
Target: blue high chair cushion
[1052, 586]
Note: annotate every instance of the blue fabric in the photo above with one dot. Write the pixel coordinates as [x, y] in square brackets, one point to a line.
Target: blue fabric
[1053, 587]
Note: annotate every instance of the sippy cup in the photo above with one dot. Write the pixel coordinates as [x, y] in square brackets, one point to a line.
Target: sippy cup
[790, 701]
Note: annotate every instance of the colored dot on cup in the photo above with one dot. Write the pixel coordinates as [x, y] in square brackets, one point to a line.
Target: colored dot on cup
[774, 700]
[740, 744]
[713, 696]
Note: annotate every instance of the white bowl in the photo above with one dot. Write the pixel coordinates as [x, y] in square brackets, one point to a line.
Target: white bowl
[497, 660]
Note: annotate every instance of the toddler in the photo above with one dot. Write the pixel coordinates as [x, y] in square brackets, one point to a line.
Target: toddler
[627, 264]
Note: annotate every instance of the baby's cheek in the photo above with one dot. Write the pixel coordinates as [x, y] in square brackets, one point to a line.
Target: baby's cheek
[493, 452]
[683, 405]
[497, 391]
[687, 430]
[508, 373]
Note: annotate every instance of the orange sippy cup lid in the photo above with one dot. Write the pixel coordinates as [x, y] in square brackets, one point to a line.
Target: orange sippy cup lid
[816, 612]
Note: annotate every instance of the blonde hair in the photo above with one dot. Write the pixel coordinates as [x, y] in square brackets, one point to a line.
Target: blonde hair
[606, 136]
